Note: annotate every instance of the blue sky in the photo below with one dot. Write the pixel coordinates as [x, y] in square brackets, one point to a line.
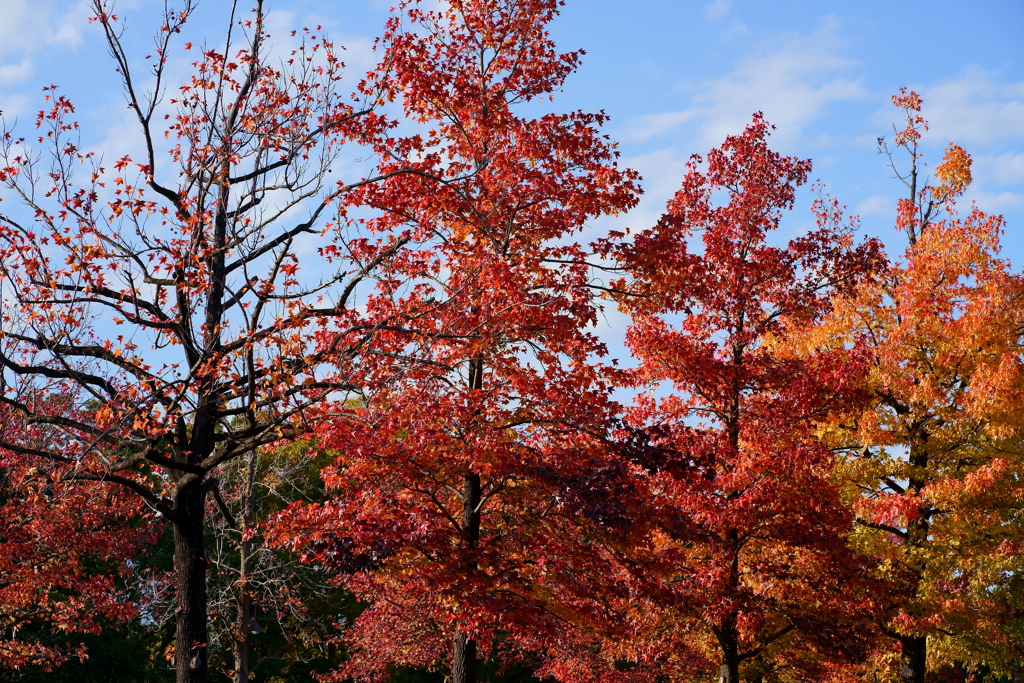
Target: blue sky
[675, 76]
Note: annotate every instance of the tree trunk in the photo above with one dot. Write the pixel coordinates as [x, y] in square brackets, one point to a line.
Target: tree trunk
[246, 612]
[190, 566]
[914, 649]
[728, 639]
[243, 629]
[464, 653]
[729, 672]
[241, 667]
[913, 658]
[464, 659]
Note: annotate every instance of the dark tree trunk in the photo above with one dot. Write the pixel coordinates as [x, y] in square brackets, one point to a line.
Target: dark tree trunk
[464, 659]
[242, 639]
[190, 566]
[728, 638]
[243, 625]
[914, 655]
[913, 658]
[190, 559]
[729, 672]
[464, 652]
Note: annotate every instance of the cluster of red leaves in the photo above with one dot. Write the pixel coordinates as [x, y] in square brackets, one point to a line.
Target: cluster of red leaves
[63, 548]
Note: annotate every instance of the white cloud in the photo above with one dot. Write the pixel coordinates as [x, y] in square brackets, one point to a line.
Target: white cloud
[992, 202]
[986, 115]
[13, 73]
[29, 25]
[124, 137]
[26, 27]
[717, 9]
[13, 106]
[279, 25]
[1001, 169]
[975, 108]
[650, 125]
[791, 83]
[663, 170]
[357, 55]
[879, 205]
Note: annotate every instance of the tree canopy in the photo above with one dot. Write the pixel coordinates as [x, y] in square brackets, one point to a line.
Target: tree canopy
[311, 385]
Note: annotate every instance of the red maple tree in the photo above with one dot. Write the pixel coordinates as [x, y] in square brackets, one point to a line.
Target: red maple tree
[455, 486]
[746, 555]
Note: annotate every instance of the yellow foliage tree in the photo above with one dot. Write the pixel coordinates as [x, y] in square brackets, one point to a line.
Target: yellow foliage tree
[934, 466]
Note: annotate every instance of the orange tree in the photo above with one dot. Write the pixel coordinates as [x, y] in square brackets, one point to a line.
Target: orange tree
[934, 463]
[166, 287]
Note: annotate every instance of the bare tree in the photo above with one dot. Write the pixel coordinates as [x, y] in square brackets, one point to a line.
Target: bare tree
[258, 588]
[166, 288]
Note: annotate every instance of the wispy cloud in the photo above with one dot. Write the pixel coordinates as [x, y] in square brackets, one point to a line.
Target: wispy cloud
[29, 25]
[14, 73]
[1000, 169]
[357, 53]
[993, 202]
[717, 9]
[877, 205]
[651, 125]
[976, 107]
[985, 114]
[791, 80]
[13, 106]
[26, 27]
[662, 171]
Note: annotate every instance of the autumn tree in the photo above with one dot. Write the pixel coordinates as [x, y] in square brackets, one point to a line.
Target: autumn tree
[934, 463]
[63, 547]
[454, 487]
[745, 556]
[166, 287]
